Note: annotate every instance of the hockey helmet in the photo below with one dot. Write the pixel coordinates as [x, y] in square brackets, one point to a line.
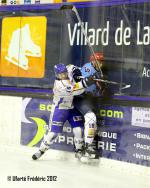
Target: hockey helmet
[61, 71]
[99, 57]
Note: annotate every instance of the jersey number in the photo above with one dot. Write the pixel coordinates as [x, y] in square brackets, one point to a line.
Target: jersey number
[87, 69]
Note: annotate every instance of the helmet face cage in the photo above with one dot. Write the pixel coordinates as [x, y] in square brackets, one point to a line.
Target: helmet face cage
[62, 76]
[61, 71]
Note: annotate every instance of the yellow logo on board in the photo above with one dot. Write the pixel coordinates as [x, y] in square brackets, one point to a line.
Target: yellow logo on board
[23, 47]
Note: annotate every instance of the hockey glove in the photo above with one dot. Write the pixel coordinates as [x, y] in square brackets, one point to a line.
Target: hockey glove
[76, 74]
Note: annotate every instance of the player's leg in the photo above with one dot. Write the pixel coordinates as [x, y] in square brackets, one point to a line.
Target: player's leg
[83, 103]
[57, 120]
[90, 127]
[77, 123]
[86, 105]
[48, 139]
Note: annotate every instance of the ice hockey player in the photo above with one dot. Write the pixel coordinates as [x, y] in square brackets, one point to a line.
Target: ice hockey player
[62, 109]
[87, 104]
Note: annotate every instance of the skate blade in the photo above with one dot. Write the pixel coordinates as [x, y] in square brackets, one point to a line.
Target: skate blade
[15, 63]
[86, 160]
[28, 53]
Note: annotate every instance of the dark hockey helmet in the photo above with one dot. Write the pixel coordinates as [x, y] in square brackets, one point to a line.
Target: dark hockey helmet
[61, 71]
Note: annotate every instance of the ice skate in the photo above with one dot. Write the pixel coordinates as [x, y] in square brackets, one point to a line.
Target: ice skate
[16, 53]
[37, 155]
[43, 148]
[21, 45]
[90, 155]
[30, 48]
[78, 153]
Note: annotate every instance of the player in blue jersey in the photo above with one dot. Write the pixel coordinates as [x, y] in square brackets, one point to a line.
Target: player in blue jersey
[86, 103]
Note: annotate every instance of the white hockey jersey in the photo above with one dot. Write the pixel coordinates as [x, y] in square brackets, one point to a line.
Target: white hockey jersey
[64, 91]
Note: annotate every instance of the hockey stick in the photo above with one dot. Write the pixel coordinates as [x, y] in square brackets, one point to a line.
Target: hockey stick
[73, 8]
[124, 86]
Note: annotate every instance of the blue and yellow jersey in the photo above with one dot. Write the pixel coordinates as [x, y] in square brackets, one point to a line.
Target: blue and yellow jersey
[88, 70]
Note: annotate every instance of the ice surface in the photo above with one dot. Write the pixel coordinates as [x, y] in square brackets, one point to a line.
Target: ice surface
[70, 172]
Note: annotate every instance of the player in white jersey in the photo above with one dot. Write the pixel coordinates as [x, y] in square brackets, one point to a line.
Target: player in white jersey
[62, 109]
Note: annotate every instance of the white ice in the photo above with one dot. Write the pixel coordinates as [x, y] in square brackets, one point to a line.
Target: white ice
[70, 172]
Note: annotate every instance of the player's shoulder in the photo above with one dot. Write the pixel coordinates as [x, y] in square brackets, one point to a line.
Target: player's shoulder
[62, 82]
[88, 64]
[70, 66]
[60, 85]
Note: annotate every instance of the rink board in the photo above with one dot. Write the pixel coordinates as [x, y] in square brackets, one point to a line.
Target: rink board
[123, 131]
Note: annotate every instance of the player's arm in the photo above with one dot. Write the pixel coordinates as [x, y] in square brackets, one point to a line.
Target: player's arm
[74, 72]
[79, 87]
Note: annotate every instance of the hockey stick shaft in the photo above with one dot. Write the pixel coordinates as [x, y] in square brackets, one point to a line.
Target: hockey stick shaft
[124, 86]
[86, 37]
[108, 82]
[73, 8]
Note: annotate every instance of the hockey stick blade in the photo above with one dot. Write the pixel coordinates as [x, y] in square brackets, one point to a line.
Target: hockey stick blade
[65, 7]
[126, 87]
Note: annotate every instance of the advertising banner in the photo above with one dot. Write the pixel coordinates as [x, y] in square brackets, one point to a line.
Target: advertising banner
[52, 36]
[25, 2]
[123, 131]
